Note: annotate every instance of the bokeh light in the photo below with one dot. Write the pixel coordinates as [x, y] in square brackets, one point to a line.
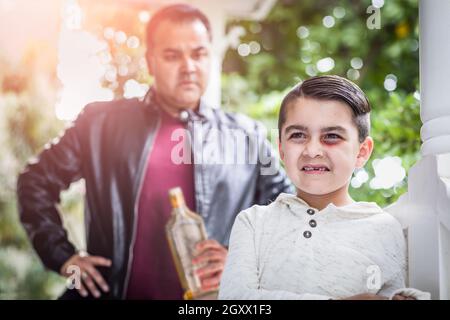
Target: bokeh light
[389, 172]
[80, 68]
[325, 64]
[328, 21]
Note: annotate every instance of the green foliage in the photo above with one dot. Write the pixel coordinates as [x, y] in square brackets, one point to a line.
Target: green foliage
[27, 122]
[255, 84]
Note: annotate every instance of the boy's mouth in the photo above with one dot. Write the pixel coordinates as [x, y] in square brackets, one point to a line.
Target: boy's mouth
[315, 169]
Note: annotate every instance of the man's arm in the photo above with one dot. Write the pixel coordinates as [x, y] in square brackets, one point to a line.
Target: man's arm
[38, 192]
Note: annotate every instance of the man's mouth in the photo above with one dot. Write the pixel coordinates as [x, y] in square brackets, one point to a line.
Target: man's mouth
[187, 83]
[315, 168]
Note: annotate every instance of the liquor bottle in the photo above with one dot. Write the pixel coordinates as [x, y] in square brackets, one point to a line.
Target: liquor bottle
[184, 230]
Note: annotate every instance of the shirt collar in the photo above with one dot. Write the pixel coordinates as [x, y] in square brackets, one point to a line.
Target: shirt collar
[203, 113]
[354, 210]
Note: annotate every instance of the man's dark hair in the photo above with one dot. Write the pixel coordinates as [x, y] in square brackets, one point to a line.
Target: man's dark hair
[178, 13]
[332, 87]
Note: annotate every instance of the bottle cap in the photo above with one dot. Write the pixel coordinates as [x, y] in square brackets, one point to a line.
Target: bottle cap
[176, 197]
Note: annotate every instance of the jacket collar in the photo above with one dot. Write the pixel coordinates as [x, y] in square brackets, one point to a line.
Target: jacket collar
[203, 113]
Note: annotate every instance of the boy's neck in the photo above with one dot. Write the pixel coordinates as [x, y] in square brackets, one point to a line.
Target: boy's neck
[338, 197]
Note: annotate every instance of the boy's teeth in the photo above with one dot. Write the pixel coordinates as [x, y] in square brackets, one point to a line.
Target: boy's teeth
[316, 169]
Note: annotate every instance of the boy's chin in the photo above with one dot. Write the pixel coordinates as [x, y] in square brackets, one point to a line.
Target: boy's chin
[314, 191]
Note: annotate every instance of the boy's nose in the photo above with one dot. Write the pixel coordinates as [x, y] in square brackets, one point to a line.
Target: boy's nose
[313, 149]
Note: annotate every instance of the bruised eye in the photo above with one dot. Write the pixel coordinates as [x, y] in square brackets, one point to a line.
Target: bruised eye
[332, 137]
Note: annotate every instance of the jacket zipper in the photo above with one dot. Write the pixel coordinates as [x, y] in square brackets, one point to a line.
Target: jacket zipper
[133, 236]
[195, 167]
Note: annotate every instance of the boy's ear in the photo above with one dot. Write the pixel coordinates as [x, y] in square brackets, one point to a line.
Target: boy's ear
[365, 150]
[280, 150]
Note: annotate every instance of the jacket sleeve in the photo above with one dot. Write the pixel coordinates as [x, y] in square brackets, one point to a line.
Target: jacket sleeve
[38, 193]
[240, 278]
[272, 179]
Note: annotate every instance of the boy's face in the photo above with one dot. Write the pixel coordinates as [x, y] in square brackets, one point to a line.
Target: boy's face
[319, 145]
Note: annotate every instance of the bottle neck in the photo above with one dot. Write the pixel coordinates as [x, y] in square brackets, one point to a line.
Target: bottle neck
[180, 210]
[177, 201]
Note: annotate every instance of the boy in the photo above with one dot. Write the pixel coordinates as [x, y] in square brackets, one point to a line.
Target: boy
[319, 243]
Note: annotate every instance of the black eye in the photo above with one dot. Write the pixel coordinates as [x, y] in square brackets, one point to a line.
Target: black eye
[332, 136]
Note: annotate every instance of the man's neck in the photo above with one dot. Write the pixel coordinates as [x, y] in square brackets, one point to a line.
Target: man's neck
[338, 197]
[172, 110]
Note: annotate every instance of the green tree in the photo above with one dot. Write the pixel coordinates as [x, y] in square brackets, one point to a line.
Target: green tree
[27, 123]
[300, 39]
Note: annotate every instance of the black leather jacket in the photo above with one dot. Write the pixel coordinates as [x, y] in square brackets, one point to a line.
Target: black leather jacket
[108, 146]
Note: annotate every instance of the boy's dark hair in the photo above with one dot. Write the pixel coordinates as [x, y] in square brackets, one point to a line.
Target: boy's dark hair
[175, 13]
[332, 87]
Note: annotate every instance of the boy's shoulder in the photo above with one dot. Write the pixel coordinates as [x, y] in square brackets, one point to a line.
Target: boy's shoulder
[261, 212]
[374, 212]
[383, 215]
[281, 209]
[384, 224]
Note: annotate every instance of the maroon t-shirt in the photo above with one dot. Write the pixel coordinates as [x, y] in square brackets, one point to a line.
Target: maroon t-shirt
[153, 274]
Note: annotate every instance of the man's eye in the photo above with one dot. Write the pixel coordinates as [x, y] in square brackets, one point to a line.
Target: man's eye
[170, 57]
[297, 135]
[199, 54]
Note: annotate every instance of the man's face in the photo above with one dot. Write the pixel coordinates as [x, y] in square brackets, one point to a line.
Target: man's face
[319, 145]
[180, 61]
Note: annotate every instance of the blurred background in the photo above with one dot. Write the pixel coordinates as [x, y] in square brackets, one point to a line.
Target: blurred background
[58, 55]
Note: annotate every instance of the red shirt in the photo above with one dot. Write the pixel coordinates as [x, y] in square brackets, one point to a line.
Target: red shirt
[153, 274]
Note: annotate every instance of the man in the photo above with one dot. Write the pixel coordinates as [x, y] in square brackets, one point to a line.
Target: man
[125, 152]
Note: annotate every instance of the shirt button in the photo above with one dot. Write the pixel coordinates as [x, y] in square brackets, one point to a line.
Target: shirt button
[310, 211]
[313, 223]
[307, 234]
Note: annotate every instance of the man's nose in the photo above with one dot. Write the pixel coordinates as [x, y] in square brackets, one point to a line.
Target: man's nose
[313, 149]
[188, 64]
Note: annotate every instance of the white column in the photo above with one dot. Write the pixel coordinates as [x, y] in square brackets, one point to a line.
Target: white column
[218, 12]
[217, 19]
[434, 18]
[426, 209]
